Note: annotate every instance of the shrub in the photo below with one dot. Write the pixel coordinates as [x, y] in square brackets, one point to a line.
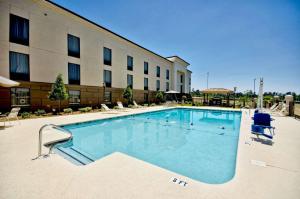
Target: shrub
[127, 94]
[58, 91]
[153, 104]
[130, 106]
[40, 112]
[25, 115]
[159, 96]
[145, 104]
[85, 109]
[68, 110]
[116, 107]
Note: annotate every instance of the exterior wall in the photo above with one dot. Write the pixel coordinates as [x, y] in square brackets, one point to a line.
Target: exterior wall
[49, 26]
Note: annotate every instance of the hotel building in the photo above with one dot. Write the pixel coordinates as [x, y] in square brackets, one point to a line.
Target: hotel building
[40, 39]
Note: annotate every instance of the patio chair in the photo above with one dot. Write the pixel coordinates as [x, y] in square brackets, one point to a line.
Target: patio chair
[121, 107]
[274, 106]
[262, 121]
[135, 105]
[103, 106]
[12, 115]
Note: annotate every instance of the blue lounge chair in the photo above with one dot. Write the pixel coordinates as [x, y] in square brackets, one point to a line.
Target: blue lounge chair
[262, 121]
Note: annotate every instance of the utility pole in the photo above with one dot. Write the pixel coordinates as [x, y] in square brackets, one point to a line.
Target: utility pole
[207, 75]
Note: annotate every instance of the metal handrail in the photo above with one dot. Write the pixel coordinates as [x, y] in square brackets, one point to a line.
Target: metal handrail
[41, 135]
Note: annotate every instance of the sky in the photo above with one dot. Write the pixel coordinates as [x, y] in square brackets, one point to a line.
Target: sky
[234, 40]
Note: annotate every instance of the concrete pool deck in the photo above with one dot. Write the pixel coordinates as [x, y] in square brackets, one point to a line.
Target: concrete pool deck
[122, 176]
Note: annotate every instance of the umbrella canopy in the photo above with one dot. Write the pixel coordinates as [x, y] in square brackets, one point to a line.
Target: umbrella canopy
[4, 82]
[170, 92]
[217, 91]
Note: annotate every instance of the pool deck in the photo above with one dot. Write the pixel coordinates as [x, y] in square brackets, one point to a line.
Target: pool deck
[122, 176]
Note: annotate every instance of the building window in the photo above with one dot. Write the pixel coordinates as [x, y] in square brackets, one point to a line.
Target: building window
[167, 86]
[19, 66]
[181, 88]
[74, 97]
[157, 71]
[130, 81]
[74, 73]
[167, 74]
[107, 56]
[145, 84]
[157, 85]
[181, 78]
[146, 65]
[190, 81]
[129, 63]
[19, 30]
[107, 96]
[107, 78]
[73, 46]
[20, 96]
[146, 97]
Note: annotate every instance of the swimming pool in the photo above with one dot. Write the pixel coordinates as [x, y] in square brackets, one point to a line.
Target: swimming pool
[199, 144]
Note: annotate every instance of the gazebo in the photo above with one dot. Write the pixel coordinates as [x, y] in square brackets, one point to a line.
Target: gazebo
[216, 101]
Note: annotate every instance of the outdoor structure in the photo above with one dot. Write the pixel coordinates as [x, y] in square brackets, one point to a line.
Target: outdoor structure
[217, 101]
[40, 39]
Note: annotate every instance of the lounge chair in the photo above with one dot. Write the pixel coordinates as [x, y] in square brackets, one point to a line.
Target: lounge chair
[103, 106]
[274, 107]
[262, 121]
[12, 115]
[121, 107]
[135, 105]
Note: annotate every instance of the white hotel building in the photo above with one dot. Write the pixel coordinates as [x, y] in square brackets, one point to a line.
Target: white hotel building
[40, 39]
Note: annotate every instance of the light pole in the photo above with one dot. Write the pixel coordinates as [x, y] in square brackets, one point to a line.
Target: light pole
[254, 80]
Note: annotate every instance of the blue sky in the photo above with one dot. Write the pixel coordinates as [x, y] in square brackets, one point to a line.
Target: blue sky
[234, 40]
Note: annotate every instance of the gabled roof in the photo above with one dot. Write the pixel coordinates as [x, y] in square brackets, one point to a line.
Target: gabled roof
[175, 56]
[101, 27]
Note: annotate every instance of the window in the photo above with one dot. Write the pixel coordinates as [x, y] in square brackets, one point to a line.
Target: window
[19, 66]
[19, 30]
[73, 46]
[157, 71]
[190, 81]
[181, 78]
[74, 73]
[20, 96]
[107, 96]
[157, 85]
[167, 74]
[146, 68]
[107, 78]
[130, 81]
[74, 97]
[167, 86]
[145, 84]
[146, 97]
[181, 88]
[129, 63]
[107, 56]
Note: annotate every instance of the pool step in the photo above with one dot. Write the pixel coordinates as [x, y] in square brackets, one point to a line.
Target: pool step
[75, 155]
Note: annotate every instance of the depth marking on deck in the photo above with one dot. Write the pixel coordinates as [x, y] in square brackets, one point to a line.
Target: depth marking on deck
[179, 182]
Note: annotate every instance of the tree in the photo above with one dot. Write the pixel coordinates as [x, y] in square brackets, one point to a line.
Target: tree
[58, 91]
[159, 96]
[127, 94]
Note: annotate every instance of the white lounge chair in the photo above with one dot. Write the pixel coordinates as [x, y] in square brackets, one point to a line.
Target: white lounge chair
[135, 105]
[12, 115]
[120, 105]
[103, 106]
[274, 106]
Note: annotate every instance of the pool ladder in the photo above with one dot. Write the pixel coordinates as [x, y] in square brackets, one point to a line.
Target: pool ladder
[41, 135]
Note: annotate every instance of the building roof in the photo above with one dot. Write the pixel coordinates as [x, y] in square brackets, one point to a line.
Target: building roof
[217, 91]
[101, 27]
[175, 56]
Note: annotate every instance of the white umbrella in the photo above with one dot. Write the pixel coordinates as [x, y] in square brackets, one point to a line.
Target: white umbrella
[172, 92]
[4, 82]
[260, 94]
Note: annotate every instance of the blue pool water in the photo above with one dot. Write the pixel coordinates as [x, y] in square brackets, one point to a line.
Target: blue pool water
[199, 144]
